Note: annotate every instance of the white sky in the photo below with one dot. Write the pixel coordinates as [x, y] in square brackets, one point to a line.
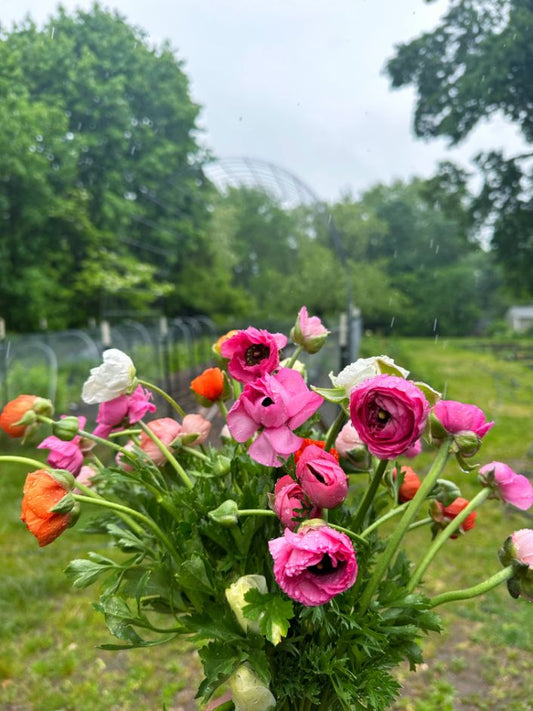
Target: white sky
[299, 82]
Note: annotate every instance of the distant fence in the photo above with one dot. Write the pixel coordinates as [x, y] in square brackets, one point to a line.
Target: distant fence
[165, 351]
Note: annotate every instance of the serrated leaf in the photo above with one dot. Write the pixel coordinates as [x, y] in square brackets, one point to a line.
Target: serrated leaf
[85, 572]
[272, 611]
[219, 660]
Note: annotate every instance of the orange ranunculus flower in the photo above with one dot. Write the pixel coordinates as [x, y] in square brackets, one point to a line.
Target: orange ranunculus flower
[410, 484]
[209, 385]
[13, 412]
[42, 491]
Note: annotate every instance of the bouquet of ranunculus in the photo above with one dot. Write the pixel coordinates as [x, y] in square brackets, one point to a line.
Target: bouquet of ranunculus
[268, 549]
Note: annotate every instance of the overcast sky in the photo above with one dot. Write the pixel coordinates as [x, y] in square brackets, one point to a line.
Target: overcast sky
[298, 82]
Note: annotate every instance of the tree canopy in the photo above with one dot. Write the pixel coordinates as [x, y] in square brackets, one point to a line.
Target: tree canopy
[478, 62]
[101, 185]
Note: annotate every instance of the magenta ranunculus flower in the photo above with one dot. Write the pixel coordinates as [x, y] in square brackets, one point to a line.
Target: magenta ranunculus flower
[132, 408]
[291, 504]
[467, 424]
[309, 332]
[273, 406]
[252, 353]
[66, 455]
[321, 477]
[510, 487]
[389, 414]
[315, 564]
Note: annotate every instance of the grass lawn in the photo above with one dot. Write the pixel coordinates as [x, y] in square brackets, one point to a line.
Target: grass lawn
[49, 634]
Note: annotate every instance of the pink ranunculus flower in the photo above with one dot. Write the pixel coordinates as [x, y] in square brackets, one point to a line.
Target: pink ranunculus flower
[195, 429]
[85, 477]
[321, 477]
[66, 455]
[272, 406]
[112, 413]
[315, 564]
[291, 504]
[467, 424]
[522, 541]
[252, 353]
[166, 429]
[389, 414]
[308, 332]
[510, 487]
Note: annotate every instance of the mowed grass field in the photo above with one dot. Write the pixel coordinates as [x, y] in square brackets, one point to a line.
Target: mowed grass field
[50, 634]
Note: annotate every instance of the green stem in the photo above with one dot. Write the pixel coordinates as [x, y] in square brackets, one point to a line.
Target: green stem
[443, 536]
[95, 497]
[26, 460]
[404, 523]
[130, 432]
[294, 356]
[126, 511]
[168, 454]
[195, 453]
[420, 523]
[222, 409]
[369, 494]
[334, 430]
[255, 512]
[475, 590]
[385, 517]
[164, 395]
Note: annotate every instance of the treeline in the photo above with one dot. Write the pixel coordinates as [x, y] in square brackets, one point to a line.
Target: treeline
[105, 208]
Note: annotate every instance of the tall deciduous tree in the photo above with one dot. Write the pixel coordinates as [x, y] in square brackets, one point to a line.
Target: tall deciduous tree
[477, 63]
[100, 157]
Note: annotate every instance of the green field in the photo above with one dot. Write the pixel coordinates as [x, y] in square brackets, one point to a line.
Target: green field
[50, 635]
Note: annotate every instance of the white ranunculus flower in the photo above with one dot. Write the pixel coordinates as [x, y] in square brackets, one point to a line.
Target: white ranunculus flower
[248, 692]
[235, 596]
[114, 377]
[364, 368]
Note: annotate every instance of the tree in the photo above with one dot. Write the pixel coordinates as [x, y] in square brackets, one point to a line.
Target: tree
[477, 63]
[111, 134]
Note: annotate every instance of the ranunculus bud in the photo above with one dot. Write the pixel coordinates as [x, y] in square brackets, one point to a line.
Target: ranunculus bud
[66, 428]
[466, 423]
[210, 386]
[291, 504]
[442, 515]
[44, 491]
[517, 551]
[321, 477]
[225, 514]
[248, 692]
[235, 597]
[308, 332]
[410, 484]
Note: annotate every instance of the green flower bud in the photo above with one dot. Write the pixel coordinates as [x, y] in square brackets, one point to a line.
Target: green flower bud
[225, 514]
[66, 428]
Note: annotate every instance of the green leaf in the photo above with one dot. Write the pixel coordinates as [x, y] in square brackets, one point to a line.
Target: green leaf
[219, 660]
[272, 611]
[85, 572]
[336, 395]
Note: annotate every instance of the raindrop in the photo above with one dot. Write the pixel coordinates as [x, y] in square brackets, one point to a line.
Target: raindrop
[130, 196]
[38, 137]
[435, 324]
[393, 319]
[132, 150]
[52, 32]
[69, 136]
[437, 249]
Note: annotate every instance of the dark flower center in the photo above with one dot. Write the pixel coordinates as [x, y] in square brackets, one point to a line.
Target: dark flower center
[316, 474]
[256, 353]
[324, 567]
[267, 401]
[379, 416]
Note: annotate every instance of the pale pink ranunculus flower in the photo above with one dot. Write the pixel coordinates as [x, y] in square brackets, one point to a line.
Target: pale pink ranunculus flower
[309, 332]
[195, 424]
[321, 477]
[66, 455]
[252, 353]
[113, 413]
[510, 487]
[166, 429]
[85, 477]
[523, 546]
[389, 414]
[347, 440]
[291, 504]
[314, 564]
[272, 406]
